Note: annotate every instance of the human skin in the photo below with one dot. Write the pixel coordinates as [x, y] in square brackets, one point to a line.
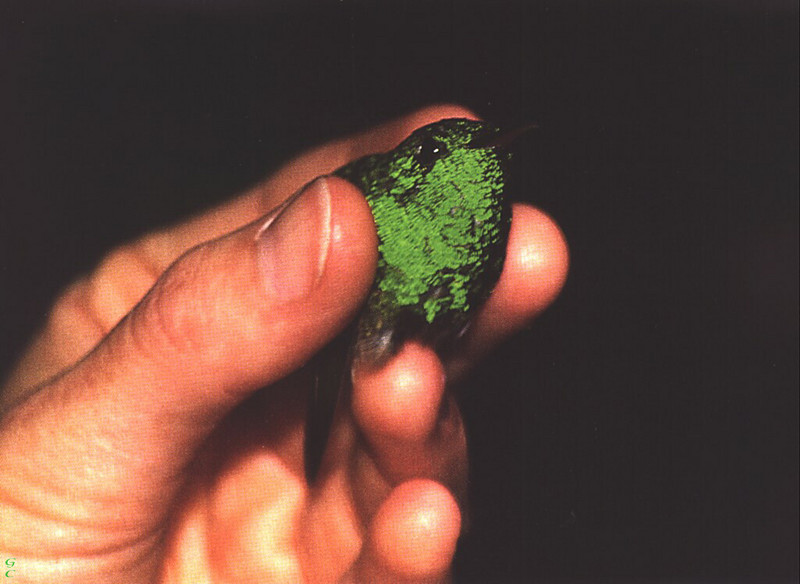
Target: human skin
[134, 446]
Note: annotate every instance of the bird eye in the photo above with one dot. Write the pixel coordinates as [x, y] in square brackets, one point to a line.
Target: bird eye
[429, 151]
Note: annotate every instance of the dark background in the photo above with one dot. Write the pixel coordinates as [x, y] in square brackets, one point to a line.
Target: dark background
[646, 427]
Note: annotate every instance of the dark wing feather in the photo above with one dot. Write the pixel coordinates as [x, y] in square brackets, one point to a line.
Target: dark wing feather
[331, 378]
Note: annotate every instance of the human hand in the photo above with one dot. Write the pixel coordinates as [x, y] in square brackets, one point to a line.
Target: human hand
[133, 444]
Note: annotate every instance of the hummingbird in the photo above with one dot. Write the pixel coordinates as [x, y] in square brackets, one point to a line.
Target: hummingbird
[442, 217]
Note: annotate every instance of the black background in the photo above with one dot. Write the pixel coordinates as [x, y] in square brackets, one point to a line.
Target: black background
[646, 427]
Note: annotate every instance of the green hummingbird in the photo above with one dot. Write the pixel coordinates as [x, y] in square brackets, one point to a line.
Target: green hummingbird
[442, 219]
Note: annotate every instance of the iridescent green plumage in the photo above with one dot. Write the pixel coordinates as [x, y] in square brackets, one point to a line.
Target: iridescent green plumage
[442, 221]
[442, 225]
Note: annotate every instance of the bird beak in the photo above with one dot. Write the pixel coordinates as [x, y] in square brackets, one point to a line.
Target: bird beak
[504, 138]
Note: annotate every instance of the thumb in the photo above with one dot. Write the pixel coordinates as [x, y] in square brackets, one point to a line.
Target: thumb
[228, 317]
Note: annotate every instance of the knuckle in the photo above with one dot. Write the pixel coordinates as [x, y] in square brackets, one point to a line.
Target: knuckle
[120, 281]
[71, 315]
[90, 307]
[170, 317]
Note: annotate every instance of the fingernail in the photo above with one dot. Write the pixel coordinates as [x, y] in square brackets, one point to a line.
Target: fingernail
[293, 242]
